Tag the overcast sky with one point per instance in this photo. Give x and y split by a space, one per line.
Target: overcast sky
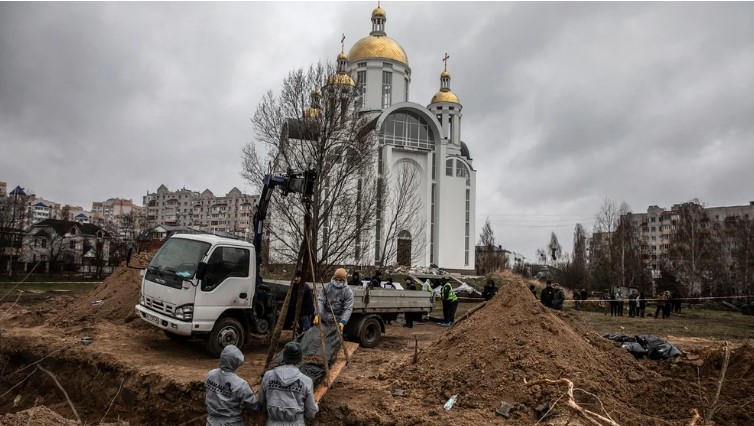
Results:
564 104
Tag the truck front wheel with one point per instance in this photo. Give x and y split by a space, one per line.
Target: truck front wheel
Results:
227 331
371 333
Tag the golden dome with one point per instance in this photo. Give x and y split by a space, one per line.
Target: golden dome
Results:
374 46
342 55
445 97
341 79
378 12
445 74
313 112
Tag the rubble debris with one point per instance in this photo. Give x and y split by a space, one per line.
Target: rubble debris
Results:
504 410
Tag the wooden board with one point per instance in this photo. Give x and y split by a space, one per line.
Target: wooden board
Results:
335 369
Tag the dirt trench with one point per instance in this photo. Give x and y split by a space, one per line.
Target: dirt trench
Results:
99 390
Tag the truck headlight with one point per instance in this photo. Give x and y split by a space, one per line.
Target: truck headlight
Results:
142 300
184 312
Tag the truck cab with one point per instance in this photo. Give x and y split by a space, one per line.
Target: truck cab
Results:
205 286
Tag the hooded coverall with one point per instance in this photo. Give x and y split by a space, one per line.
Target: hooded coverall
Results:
228 394
288 395
340 297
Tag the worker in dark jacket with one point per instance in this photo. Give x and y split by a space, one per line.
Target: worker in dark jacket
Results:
355 280
547 294
307 304
449 303
489 290
558 298
411 316
227 394
376 280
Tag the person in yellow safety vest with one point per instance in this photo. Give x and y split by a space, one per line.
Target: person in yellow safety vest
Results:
427 286
449 303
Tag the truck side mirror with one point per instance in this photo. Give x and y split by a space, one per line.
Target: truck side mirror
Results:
201 270
128 256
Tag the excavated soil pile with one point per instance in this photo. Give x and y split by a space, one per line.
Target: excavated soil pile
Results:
42 416
486 357
113 300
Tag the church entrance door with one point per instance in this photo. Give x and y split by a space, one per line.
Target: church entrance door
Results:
404 248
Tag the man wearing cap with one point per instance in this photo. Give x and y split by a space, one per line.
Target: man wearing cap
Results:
226 393
286 393
339 296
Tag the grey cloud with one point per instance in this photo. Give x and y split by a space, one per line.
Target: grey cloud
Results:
564 103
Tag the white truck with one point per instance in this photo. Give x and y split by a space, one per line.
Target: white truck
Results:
209 287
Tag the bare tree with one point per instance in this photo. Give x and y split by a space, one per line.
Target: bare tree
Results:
489 257
606 251
13 217
402 217
741 248
579 260
302 127
693 248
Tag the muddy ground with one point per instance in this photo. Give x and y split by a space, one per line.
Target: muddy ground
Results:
131 372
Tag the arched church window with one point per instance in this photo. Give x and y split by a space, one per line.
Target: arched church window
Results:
463 171
387 89
407 129
361 84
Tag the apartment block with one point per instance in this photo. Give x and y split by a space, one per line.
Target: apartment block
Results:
3 189
656 227
112 208
232 213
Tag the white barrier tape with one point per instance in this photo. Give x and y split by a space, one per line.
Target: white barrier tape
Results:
655 300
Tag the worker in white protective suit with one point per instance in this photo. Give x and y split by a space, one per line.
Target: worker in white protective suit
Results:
335 295
286 393
227 394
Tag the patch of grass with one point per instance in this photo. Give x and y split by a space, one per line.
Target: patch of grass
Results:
698 323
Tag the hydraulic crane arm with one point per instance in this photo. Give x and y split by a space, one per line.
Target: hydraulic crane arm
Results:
300 182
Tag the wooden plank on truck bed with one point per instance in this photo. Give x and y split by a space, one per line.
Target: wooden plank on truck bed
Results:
335 369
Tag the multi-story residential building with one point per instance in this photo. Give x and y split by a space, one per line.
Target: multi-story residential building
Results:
230 214
112 208
41 209
3 189
655 228
67 245
170 207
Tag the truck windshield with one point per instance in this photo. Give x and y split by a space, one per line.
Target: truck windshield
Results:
180 257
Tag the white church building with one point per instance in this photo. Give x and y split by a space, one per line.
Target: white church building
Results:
427 137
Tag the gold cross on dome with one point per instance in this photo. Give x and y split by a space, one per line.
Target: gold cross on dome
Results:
445 59
342 43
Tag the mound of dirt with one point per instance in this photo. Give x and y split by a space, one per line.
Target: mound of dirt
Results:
42 416
113 300
487 357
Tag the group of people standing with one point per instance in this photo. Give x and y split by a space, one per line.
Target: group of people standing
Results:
285 392
553 296
335 298
637 304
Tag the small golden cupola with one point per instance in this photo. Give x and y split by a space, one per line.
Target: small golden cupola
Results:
445 94
377 44
341 75
315 111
